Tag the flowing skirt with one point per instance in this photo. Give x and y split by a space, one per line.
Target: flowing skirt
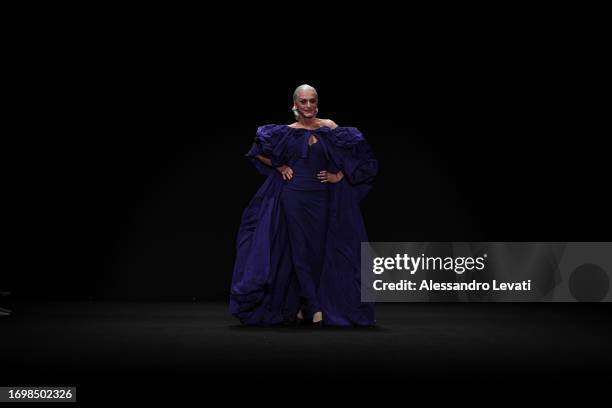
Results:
300 250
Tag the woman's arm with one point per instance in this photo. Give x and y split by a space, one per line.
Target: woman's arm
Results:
264 160
285 171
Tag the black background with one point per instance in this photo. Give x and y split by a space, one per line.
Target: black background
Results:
126 181
132 181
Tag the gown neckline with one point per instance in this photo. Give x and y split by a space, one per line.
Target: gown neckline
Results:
312 130
312 144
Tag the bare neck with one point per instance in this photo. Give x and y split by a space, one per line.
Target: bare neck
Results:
307 123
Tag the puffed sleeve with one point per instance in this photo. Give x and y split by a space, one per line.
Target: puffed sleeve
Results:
353 155
270 141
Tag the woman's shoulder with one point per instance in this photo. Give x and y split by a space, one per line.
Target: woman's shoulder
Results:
328 123
345 136
343 132
272 130
322 123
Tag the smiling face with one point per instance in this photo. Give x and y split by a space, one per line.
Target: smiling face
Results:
306 103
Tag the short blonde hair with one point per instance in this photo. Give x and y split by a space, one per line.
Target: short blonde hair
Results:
304 87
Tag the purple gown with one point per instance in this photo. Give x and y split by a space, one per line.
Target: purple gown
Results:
298 246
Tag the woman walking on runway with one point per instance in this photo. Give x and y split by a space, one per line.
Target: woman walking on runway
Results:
298 246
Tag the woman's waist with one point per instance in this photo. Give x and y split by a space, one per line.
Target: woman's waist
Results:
312 165
310 182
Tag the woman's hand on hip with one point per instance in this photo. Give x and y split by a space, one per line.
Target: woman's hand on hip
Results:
327 177
286 172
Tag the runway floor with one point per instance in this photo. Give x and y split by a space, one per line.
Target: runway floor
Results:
131 349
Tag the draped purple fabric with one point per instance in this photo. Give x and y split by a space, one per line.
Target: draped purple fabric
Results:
266 287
